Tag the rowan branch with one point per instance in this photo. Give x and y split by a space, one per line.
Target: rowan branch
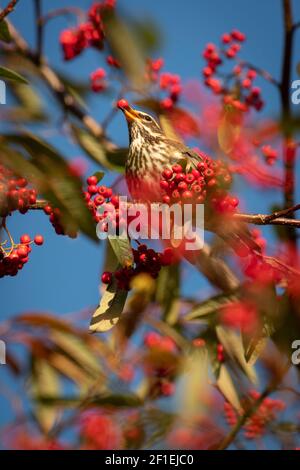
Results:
262 219
7 10
67 101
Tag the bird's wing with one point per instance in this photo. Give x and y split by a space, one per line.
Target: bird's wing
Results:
187 153
231 233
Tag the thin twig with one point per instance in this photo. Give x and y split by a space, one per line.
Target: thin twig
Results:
263 73
62 11
283 212
262 219
10 7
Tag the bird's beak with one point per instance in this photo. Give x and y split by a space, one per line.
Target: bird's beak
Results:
130 113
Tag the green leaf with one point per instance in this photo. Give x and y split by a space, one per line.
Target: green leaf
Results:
4 32
29 104
9 74
122 250
96 150
147 35
110 309
233 345
116 400
209 307
99 175
117 158
125 48
228 130
44 380
167 292
78 351
195 382
227 388
266 302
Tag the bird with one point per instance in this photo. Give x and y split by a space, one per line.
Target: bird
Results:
151 151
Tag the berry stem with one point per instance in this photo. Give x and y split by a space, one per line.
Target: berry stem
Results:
6 11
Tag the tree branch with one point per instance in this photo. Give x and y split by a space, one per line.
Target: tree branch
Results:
67 101
39 29
262 219
10 7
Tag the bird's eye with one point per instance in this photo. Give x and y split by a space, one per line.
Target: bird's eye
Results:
147 118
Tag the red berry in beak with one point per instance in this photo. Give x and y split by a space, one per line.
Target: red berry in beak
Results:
122 104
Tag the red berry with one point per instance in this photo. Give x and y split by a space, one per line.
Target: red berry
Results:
182 185
38 239
226 38
167 174
22 251
187 195
48 209
106 277
167 388
92 180
177 168
164 184
24 239
122 104
166 199
92 189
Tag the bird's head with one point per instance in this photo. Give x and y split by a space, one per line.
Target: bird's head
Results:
140 124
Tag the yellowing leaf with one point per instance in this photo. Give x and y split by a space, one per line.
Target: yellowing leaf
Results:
110 309
227 387
44 380
122 250
228 132
233 345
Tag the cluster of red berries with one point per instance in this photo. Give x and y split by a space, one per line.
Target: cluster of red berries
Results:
98 82
14 193
207 183
162 375
88 34
99 195
55 218
146 260
167 82
99 431
157 341
248 95
258 239
261 271
220 353
12 259
270 154
266 412
241 315
255 426
231 416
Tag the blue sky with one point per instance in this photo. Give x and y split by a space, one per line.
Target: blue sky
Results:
63 275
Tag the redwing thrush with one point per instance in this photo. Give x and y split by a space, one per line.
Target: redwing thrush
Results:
150 152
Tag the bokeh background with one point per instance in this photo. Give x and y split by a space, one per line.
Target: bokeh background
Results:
63 276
